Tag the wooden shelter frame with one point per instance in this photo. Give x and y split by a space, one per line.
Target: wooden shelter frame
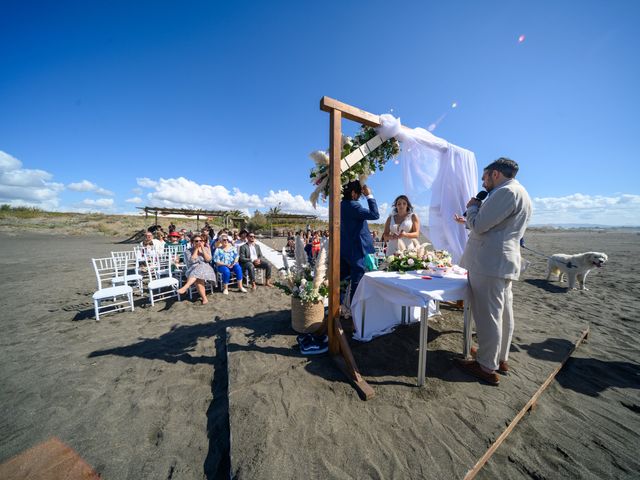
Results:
225 215
338 344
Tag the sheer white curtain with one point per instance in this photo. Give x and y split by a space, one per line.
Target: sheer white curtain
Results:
438 174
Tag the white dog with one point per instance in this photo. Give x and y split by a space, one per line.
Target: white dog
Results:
575 267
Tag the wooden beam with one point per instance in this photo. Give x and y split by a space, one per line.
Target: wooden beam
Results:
328 104
335 195
529 406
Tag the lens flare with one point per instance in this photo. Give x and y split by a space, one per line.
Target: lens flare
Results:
521 38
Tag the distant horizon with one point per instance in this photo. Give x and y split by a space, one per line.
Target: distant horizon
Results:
376 223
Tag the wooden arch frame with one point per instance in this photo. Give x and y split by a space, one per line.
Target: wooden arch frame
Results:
338 344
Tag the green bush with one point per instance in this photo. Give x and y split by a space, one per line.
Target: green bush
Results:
21 212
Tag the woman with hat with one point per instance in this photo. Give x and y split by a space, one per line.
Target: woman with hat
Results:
174 240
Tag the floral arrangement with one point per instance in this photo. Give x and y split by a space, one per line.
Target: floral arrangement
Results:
373 162
302 281
418 259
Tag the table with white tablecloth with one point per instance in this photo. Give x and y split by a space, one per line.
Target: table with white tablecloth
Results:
384 300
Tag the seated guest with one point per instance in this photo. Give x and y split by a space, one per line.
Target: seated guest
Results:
184 240
173 240
173 243
161 237
251 258
222 232
197 258
242 239
150 244
226 260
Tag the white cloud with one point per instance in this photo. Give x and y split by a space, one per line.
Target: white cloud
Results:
87 186
293 203
146 183
137 191
99 203
618 210
134 200
83 186
184 193
26 187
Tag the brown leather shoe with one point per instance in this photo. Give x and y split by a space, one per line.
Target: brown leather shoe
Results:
473 368
503 367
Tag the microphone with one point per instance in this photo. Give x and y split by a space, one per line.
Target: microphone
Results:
481 195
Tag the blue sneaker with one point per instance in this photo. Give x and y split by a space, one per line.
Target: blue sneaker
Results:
315 345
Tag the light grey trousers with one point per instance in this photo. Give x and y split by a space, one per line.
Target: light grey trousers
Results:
492 307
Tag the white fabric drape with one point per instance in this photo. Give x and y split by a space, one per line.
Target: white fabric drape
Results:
438 174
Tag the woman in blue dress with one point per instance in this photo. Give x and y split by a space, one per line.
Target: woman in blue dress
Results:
226 260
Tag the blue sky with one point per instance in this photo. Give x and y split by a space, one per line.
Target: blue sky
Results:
105 106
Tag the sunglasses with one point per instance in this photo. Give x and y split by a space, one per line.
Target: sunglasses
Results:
197 241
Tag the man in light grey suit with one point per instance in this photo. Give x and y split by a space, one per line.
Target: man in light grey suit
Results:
492 259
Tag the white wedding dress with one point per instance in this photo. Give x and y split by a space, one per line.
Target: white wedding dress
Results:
400 244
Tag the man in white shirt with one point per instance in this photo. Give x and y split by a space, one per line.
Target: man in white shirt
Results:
151 243
242 239
251 258
492 259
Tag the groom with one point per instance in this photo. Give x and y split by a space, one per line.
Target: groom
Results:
355 237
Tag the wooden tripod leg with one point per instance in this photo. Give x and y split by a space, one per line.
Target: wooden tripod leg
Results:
345 361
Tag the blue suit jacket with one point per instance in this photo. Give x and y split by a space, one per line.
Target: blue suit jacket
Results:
355 237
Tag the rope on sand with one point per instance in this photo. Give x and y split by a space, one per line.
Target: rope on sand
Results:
530 405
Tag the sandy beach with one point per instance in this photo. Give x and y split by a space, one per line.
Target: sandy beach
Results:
144 394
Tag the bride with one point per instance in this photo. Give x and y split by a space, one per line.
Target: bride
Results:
402 227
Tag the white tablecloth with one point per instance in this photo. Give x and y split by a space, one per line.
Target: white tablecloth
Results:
377 304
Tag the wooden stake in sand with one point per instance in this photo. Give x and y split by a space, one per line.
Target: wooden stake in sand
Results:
529 406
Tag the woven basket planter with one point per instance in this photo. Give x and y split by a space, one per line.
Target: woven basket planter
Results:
306 317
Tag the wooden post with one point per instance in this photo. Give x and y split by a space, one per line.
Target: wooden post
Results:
156 217
338 344
197 222
335 150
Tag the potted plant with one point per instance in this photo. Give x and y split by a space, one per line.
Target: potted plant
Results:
308 288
